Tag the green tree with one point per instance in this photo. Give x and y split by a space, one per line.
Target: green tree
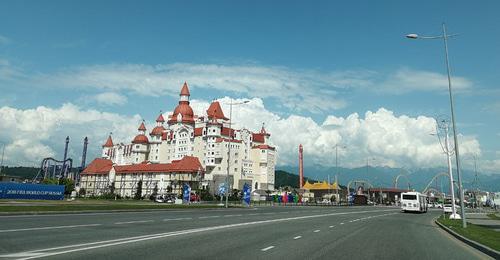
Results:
69 185
138 191
154 192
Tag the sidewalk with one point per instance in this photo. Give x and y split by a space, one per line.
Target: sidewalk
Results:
481 219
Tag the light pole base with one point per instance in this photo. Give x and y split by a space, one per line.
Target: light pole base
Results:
455 216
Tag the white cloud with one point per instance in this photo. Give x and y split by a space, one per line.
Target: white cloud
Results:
110 98
407 80
33 134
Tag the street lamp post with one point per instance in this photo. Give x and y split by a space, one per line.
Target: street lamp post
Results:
445 37
337 170
229 147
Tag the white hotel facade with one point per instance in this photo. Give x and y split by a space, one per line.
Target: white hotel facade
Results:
186 148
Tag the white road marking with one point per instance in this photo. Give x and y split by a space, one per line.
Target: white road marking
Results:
236 215
297 237
173 219
114 242
342 223
209 217
254 214
267 248
331 226
132 222
44 228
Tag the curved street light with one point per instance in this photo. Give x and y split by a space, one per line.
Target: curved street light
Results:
445 37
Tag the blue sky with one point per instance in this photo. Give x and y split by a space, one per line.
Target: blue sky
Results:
327 58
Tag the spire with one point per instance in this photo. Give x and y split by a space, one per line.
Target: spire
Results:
215 111
109 142
142 127
263 130
185 90
160 118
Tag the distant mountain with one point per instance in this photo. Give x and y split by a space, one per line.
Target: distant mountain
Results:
284 178
385 176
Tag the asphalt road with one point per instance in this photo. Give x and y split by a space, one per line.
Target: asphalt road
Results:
253 233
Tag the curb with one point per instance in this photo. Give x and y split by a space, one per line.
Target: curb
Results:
487 250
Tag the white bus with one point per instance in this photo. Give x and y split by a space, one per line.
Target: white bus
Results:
413 201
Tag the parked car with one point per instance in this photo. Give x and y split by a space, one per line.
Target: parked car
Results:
447 208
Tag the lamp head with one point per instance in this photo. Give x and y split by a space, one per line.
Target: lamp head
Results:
412 36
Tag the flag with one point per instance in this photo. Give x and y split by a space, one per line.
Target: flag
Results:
186 192
246 193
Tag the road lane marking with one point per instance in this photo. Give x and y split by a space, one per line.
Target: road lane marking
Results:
45 228
209 217
342 223
234 215
132 222
115 242
297 237
316 231
174 219
267 248
331 226
254 214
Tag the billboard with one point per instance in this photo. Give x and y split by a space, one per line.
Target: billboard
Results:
28 191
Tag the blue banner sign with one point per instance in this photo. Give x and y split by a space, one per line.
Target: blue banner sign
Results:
186 192
27 191
247 193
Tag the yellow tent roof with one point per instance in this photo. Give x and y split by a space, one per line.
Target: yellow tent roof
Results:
319 186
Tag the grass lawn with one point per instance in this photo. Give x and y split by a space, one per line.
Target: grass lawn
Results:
90 205
493 216
485 236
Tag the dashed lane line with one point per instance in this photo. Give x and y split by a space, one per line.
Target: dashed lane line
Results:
297 237
132 222
267 248
316 231
174 219
209 217
332 226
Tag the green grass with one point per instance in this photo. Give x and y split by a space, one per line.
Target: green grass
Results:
493 216
89 205
485 236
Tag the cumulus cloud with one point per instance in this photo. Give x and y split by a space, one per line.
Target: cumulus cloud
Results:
394 140
110 98
33 134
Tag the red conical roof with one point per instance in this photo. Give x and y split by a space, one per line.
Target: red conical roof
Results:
109 142
157 130
142 127
215 111
160 118
185 90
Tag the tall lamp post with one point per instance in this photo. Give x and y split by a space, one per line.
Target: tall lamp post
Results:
445 37
229 147
337 169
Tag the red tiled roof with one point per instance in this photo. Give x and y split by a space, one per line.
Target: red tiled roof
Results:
157 130
185 110
198 131
164 136
98 166
185 89
258 138
160 119
219 140
142 127
214 111
141 139
188 164
109 142
225 131
264 146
